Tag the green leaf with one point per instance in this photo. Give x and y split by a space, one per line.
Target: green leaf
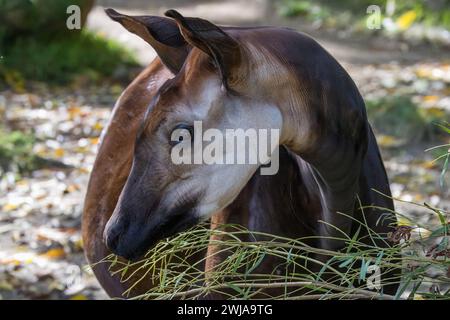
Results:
256 264
444 171
237 289
354 240
324 267
364 267
379 257
446 128
346 262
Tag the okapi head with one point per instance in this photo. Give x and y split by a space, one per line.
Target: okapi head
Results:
228 78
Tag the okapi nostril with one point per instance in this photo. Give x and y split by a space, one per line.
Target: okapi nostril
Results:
111 242
112 237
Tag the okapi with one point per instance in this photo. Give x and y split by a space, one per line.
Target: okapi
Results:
226 77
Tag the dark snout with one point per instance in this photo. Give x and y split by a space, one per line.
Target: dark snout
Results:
132 239
143 216
114 231
131 230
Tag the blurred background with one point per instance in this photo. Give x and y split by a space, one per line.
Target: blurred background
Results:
58 87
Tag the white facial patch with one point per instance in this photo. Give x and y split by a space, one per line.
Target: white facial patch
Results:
216 185
221 183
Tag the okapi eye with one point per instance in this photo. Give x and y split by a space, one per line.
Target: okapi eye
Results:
212 64
180 133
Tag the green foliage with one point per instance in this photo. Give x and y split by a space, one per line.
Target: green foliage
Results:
35 44
304 9
428 12
445 156
58 60
400 117
396 116
31 17
343 274
16 149
443 153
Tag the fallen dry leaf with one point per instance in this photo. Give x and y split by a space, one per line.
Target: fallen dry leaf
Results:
406 19
79 297
56 253
59 152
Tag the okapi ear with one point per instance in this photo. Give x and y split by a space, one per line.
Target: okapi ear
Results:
161 33
213 41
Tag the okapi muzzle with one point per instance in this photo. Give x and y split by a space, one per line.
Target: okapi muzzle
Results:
150 207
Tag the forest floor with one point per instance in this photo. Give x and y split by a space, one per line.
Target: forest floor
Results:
41 253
